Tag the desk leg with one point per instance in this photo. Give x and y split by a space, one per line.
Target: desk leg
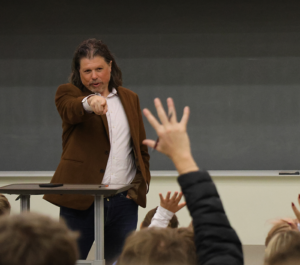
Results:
99 230
25 202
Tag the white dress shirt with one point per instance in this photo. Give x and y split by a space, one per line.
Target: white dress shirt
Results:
120 168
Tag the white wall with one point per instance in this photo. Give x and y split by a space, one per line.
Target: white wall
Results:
250 202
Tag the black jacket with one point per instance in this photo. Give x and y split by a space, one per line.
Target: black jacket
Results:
216 241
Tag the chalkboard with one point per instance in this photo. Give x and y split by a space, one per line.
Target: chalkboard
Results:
235 63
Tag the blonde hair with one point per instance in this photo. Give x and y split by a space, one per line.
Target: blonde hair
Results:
281 225
33 239
278 242
283 247
4 205
159 246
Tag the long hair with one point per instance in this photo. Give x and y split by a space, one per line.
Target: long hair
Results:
89 49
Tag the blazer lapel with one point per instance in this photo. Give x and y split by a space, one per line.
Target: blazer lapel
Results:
104 120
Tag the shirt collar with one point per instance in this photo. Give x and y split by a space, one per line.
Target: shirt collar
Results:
113 93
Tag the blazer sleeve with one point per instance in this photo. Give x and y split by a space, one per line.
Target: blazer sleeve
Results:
68 100
216 241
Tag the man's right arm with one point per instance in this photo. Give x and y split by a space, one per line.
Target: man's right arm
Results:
68 100
95 103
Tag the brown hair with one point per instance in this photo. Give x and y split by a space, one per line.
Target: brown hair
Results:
159 246
4 205
280 226
284 248
33 239
89 49
147 220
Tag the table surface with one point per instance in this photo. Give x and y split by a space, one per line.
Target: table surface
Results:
167 173
91 189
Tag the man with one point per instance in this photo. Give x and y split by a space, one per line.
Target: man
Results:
33 239
216 241
103 132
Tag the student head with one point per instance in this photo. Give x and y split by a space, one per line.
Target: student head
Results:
4 205
147 220
33 239
159 246
279 226
283 249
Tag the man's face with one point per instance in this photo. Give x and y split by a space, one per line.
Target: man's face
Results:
95 74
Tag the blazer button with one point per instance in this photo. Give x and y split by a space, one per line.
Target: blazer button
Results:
102 170
106 152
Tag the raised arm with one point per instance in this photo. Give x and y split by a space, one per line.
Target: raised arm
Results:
168 207
216 241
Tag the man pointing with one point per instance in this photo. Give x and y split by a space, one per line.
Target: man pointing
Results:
102 138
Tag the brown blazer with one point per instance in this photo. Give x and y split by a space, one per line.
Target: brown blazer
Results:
86 146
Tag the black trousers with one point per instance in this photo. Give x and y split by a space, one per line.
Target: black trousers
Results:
120 214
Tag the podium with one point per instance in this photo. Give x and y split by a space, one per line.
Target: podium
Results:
99 191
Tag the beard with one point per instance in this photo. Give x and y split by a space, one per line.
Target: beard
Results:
100 88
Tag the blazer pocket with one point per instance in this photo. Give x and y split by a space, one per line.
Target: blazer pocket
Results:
73 160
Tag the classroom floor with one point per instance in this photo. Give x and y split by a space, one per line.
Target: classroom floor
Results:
253 254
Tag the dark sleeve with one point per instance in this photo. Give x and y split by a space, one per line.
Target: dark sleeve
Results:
216 241
68 100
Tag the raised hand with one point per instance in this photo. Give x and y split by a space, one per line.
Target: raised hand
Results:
173 138
172 204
